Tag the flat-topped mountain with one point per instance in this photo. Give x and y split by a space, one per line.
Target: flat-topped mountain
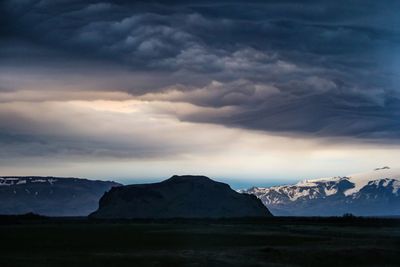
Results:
179 197
51 196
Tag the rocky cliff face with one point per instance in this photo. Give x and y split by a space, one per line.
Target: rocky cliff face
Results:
179 197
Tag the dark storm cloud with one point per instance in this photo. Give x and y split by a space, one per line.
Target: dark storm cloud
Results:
333 65
326 115
26 145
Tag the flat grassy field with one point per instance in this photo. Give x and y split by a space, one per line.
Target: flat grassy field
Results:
250 242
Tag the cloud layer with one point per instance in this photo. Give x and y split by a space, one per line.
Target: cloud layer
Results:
304 69
332 66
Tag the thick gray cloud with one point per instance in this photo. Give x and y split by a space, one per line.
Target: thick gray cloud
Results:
318 68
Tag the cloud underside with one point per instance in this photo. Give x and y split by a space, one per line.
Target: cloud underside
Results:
299 69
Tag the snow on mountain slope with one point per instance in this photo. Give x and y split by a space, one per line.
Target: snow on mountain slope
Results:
52 196
368 193
359 180
10 181
362 179
311 189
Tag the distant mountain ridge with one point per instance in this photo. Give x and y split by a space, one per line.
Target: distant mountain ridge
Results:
51 196
185 196
375 193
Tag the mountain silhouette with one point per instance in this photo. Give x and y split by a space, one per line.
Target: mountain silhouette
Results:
179 197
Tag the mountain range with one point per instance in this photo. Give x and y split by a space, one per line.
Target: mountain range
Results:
374 193
51 196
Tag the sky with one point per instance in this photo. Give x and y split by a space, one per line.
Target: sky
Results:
248 92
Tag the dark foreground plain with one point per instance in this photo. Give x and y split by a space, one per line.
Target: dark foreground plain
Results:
34 241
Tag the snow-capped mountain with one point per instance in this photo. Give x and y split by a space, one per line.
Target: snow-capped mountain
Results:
52 196
372 193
